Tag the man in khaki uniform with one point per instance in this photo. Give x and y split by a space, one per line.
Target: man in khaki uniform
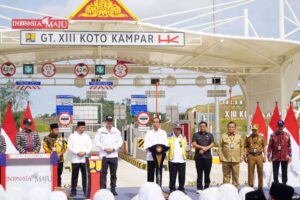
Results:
255 150
231 153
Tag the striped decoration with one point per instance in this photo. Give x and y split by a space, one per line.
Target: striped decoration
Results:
101 87
28 87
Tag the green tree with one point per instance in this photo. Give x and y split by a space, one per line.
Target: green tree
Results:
18 98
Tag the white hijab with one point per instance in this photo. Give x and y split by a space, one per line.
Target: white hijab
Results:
244 191
58 195
178 195
14 193
38 194
228 191
2 193
210 194
104 194
149 191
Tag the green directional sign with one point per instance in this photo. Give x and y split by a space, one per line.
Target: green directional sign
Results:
28 69
99 69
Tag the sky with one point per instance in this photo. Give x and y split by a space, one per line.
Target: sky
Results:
263 14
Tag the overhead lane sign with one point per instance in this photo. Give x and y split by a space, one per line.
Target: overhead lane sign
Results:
37 37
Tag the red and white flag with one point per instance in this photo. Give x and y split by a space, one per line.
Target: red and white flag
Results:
9 131
273 122
28 115
291 126
259 120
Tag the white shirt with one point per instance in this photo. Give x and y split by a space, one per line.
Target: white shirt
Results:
178 157
108 139
79 143
152 138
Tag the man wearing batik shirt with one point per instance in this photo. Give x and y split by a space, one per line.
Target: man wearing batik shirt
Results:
28 141
54 142
280 152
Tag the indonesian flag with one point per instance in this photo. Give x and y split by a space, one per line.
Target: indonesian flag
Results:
273 122
291 126
9 131
258 119
27 115
271 129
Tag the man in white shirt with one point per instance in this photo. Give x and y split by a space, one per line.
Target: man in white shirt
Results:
177 157
153 137
109 141
80 145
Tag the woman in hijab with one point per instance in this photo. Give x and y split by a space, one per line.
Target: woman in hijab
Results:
178 195
244 191
210 194
149 191
58 195
104 194
228 191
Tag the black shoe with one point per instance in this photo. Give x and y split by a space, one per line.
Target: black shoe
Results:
205 187
113 191
73 194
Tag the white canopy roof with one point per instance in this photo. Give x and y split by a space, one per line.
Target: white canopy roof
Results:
203 52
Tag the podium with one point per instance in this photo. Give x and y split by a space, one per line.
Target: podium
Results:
158 152
27 171
93 166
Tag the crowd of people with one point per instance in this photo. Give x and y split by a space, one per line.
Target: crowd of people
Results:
233 150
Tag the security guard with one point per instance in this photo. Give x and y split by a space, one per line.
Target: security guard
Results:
177 157
231 153
54 142
28 141
255 150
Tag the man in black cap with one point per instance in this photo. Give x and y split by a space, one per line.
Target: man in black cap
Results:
256 195
28 141
109 141
55 143
280 152
80 145
280 191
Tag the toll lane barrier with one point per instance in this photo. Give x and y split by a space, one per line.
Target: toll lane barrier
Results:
139 164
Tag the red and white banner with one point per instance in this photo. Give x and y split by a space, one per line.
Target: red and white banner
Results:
291 126
44 23
9 131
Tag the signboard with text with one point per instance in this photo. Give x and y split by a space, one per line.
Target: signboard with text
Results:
102 38
44 23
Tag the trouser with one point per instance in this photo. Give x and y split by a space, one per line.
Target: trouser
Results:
284 166
112 163
231 169
252 162
150 171
203 166
60 168
174 169
75 172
